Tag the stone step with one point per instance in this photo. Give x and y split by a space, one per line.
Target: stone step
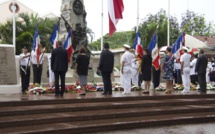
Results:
112 124
47 100
57 108
64 117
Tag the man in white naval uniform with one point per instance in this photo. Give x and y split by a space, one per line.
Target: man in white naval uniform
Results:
185 70
126 73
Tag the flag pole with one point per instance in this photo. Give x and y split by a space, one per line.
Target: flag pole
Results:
137 15
168 23
14 27
102 27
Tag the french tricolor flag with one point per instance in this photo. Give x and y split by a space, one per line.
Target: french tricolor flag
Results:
153 47
68 45
54 36
36 44
137 45
115 9
177 47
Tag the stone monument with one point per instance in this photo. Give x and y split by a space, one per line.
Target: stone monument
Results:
74 20
9 73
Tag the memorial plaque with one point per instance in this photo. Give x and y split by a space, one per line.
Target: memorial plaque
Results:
8 74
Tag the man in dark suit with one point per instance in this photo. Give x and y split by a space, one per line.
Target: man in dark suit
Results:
201 67
59 65
106 67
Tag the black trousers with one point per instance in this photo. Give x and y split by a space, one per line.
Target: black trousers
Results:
62 75
202 82
140 80
106 76
37 71
194 79
25 77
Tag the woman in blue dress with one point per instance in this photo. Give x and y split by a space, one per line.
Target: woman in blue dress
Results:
168 69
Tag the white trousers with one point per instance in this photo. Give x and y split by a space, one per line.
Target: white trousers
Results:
125 79
51 77
135 76
186 78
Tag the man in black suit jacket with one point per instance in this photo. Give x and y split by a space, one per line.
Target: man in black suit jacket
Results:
201 67
106 65
59 65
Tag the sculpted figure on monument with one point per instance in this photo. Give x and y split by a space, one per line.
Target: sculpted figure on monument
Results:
78 7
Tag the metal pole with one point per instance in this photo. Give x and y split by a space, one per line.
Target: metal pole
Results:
137 15
14 26
102 27
168 32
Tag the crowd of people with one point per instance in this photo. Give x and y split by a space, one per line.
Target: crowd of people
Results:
134 69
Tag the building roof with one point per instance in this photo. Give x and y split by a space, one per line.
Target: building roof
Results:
210 40
7 14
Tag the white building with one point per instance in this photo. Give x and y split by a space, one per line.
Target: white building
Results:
5 12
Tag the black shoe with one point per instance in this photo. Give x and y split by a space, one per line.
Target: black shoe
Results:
110 93
104 93
61 95
56 95
82 94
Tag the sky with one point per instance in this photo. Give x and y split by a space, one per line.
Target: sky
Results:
94 8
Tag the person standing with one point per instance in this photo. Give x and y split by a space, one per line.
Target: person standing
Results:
81 66
125 75
51 73
146 70
168 69
59 65
177 72
135 71
201 67
25 69
106 65
185 70
37 66
193 74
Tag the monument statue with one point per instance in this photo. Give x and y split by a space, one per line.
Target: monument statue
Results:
73 20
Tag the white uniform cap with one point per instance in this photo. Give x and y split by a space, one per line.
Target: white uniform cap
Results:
126 46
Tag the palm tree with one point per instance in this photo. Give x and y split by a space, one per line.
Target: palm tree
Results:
25 30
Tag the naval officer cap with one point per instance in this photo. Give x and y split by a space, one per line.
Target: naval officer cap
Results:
126 46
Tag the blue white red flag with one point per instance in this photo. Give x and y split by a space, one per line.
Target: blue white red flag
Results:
177 47
68 45
153 47
36 44
54 36
137 45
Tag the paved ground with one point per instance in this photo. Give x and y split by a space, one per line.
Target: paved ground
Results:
25 97
179 129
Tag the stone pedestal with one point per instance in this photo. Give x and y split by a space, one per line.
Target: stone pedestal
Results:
9 71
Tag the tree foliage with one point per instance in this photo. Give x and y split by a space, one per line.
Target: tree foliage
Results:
158 23
116 40
194 24
25 30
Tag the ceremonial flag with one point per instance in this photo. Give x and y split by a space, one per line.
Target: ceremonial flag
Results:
36 45
137 45
153 47
177 47
54 36
115 9
68 45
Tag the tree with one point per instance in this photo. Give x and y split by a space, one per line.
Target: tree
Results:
25 30
116 40
194 24
158 23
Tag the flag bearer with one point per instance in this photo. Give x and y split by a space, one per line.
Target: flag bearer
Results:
25 69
